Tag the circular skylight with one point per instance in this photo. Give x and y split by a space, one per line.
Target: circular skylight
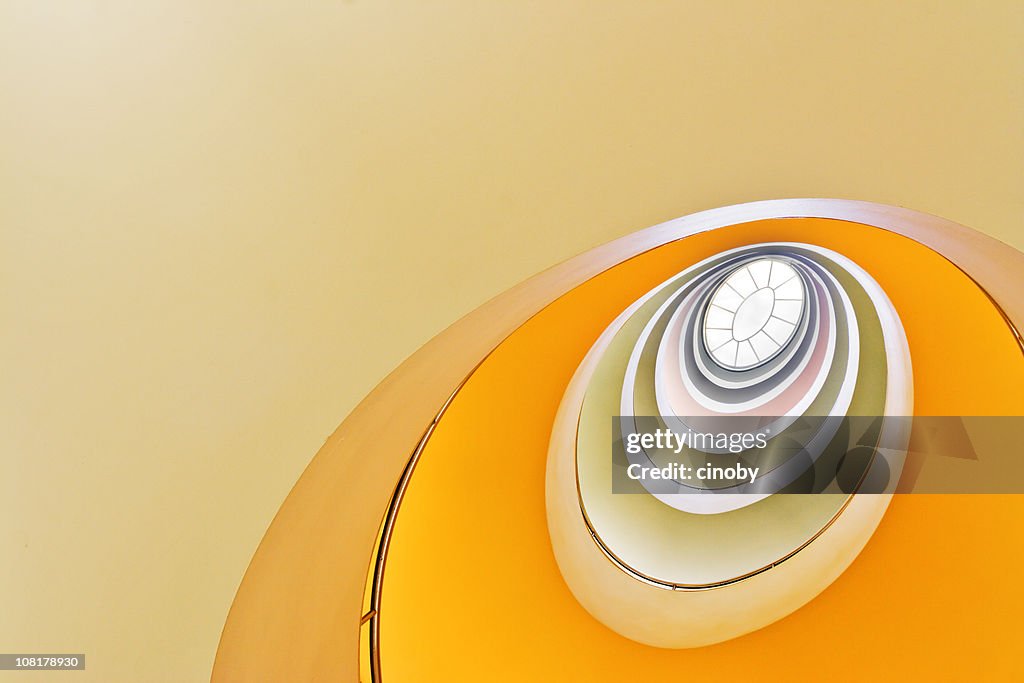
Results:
753 314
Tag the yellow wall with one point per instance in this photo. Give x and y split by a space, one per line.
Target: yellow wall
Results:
221 227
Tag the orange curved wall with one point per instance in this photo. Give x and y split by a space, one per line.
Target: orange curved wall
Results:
471 590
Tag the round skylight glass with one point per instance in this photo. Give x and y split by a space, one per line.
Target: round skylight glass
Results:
753 314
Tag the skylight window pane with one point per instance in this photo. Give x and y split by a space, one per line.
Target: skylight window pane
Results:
753 314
